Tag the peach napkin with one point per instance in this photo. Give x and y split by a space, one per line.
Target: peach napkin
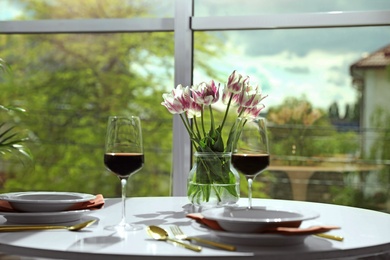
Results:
280 230
96 203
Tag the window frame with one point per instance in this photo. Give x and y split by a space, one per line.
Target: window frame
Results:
184 24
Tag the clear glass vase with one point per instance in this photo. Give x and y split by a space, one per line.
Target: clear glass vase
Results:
213 180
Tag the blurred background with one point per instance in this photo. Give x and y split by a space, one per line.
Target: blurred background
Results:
327 107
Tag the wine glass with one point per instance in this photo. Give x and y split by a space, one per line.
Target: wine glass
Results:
124 156
250 155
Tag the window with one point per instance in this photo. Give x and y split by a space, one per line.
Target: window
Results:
268 46
313 54
71 82
248 7
313 69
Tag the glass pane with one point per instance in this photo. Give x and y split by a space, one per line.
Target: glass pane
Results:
250 7
70 84
75 9
327 108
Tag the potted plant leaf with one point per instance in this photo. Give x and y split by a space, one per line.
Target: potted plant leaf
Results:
11 141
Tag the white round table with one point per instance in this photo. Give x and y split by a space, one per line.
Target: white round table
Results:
366 233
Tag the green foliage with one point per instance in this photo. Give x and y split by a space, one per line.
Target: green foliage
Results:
209 171
317 142
11 141
338 143
212 180
298 129
380 120
71 83
356 197
3 66
388 72
260 185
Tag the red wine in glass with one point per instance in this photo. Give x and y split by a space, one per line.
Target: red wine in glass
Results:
124 164
123 156
250 164
250 154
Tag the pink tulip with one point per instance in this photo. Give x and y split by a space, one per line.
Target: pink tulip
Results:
194 110
205 94
234 84
185 97
175 101
233 89
196 101
250 96
247 112
226 94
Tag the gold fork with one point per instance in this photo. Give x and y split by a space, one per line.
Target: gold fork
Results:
178 233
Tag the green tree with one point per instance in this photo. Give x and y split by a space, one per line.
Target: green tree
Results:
298 129
380 150
71 83
334 111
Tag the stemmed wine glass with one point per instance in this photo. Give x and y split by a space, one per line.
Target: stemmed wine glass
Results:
124 156
250 155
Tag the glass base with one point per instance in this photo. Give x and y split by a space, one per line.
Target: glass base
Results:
125 227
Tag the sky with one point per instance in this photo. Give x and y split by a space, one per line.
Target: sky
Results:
8 10
253 7
311 63
314 63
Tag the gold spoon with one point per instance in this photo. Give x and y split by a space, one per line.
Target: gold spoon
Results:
160 234
76 227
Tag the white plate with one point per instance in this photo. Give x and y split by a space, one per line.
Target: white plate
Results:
252 239
243 220
43 217
44 201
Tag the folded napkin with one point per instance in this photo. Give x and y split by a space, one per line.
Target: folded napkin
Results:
212 224
96 203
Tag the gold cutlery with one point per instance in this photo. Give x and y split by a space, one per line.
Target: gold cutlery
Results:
160 234
329 236
178 233
76 227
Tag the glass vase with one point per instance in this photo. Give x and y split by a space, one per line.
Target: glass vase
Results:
213 181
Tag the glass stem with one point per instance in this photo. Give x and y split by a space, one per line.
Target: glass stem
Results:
250 180
123 184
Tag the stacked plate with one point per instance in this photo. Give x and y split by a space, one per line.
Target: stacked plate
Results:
44 207
256 226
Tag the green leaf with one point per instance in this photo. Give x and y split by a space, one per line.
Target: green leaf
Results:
218 145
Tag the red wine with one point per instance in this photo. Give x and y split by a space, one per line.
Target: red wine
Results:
250 164
124 164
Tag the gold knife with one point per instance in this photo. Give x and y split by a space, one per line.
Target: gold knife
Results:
329 236
46 227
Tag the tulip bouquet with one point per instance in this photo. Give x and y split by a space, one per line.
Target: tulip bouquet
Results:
196 103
